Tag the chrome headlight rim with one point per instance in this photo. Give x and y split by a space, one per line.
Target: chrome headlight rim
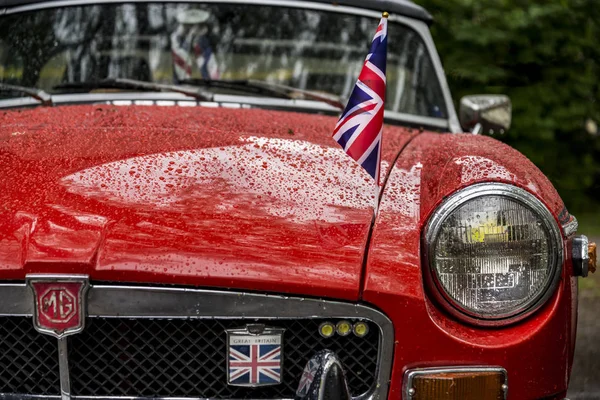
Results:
432 230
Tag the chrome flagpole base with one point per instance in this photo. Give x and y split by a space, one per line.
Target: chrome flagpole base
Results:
323 378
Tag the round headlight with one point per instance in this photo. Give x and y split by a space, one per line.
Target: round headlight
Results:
494 253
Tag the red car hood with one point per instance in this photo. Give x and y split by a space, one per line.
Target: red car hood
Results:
233 198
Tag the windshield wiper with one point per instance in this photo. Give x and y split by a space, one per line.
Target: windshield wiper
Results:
122 83
330 99
274 89
36 93
254 86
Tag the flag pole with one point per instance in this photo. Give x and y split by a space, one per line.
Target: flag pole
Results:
385 15
359 130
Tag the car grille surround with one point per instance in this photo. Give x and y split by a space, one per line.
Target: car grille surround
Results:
187 358
167 342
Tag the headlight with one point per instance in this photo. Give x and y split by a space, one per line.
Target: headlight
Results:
494 252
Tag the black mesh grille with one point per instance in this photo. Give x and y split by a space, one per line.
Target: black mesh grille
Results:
186 358
28 359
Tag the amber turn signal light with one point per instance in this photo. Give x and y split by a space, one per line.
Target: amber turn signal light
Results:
460 383
592 257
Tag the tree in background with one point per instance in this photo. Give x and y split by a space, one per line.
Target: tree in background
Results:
546 56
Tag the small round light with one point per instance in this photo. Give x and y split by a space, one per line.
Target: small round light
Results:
360 329
326 329
343 328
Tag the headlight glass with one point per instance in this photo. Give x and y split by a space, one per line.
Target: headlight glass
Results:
494 251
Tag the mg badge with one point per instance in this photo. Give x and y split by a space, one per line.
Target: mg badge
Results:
59 303
254 356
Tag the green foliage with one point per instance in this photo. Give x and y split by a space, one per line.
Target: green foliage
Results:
545 55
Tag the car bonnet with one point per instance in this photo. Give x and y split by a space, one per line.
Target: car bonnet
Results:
215 197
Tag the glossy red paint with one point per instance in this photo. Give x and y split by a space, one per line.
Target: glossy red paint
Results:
266 201
536 352
232 198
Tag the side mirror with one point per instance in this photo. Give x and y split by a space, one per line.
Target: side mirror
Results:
484 113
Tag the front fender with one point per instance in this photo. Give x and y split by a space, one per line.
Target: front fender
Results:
536 352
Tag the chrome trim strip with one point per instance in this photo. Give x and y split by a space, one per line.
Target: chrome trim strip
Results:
417 119
107 301
409 376
423 30
486 189
16 300
155 98
278 3
420 27
63 364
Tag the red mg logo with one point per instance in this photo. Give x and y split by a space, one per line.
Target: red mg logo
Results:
59 303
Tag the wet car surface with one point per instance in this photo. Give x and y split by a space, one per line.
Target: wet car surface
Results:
174 210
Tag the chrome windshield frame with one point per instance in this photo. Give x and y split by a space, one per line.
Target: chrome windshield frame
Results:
450 123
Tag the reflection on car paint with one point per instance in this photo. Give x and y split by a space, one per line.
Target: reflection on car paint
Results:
240 198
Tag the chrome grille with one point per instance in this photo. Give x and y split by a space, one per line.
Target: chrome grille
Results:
142 342
186 358
28 360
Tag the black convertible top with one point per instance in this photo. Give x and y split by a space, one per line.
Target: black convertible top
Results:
401 7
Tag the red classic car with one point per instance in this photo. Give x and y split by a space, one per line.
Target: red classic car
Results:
177 222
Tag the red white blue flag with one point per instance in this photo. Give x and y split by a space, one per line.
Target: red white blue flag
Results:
360 127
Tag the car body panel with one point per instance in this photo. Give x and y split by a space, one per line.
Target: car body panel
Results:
231 198
431 168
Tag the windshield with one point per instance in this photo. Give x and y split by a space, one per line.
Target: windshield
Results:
174 42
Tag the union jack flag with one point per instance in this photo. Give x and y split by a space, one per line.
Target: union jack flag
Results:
308 376
254 364
360 127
